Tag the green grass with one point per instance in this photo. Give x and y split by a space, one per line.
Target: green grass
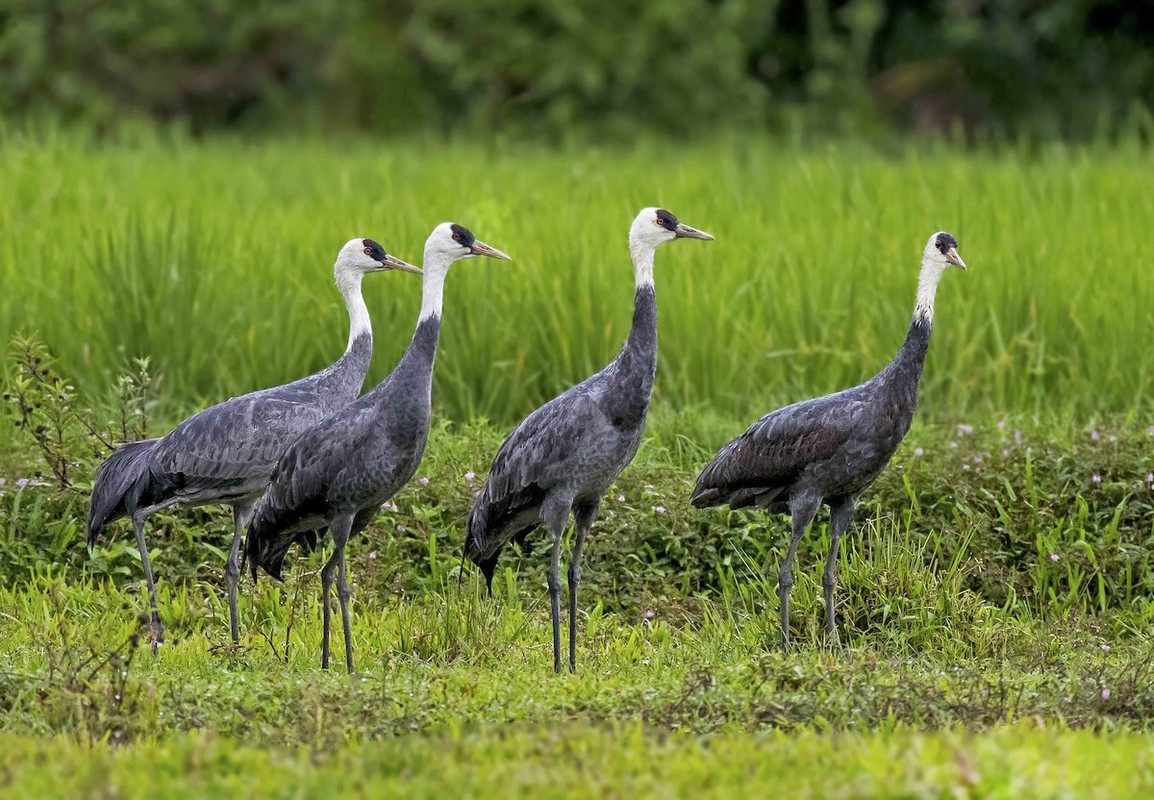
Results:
214 259
971 660
996 597
582 761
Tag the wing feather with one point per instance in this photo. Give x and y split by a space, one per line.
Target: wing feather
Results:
774 450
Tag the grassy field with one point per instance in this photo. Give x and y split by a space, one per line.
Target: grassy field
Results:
996 598
995 608
215 260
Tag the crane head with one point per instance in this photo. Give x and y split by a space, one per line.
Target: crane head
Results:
359 256
942 251
656 226
451 242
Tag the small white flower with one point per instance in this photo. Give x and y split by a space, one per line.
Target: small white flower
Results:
620 498
470 475
423 481
659 509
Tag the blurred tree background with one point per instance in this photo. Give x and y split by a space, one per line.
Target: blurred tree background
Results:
1004 70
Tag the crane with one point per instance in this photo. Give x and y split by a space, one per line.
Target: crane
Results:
562 457
340 471
226 453
830 449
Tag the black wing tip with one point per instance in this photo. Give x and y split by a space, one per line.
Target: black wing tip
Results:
704 495
704 499
474 536
95 527
489 569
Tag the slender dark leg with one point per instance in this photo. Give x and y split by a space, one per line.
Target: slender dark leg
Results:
240 516
802 510
327 574
840 515
340 532
156 627
556 514
582 521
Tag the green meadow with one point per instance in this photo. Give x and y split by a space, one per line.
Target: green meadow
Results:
995 599
214 260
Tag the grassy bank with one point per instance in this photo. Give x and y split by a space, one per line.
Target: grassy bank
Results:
999 572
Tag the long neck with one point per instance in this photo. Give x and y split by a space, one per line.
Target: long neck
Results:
415 369
912 355
359 322
643 334
636 365
345 378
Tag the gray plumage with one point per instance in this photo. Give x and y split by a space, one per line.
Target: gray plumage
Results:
339 472
562 458
226 453
831 448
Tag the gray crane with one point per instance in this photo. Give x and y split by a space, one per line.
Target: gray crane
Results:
226 453
562 457
340 471
828 450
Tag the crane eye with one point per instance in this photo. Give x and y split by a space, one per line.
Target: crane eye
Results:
368 251
456 237
661 221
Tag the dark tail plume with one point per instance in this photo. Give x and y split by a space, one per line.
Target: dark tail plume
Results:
118 486
265 548
475 548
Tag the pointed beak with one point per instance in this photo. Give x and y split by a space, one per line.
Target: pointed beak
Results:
683 231
481 249
955 259
392 262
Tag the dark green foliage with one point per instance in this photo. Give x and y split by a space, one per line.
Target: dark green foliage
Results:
551 66
1025 68
208 63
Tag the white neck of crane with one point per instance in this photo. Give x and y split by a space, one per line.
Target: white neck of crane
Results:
436 267
359 322
928 280
642 255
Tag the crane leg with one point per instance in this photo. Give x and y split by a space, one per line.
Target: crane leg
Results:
341 531
840 515
155 626
582 522
802 511
240 517
556 515
326 613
